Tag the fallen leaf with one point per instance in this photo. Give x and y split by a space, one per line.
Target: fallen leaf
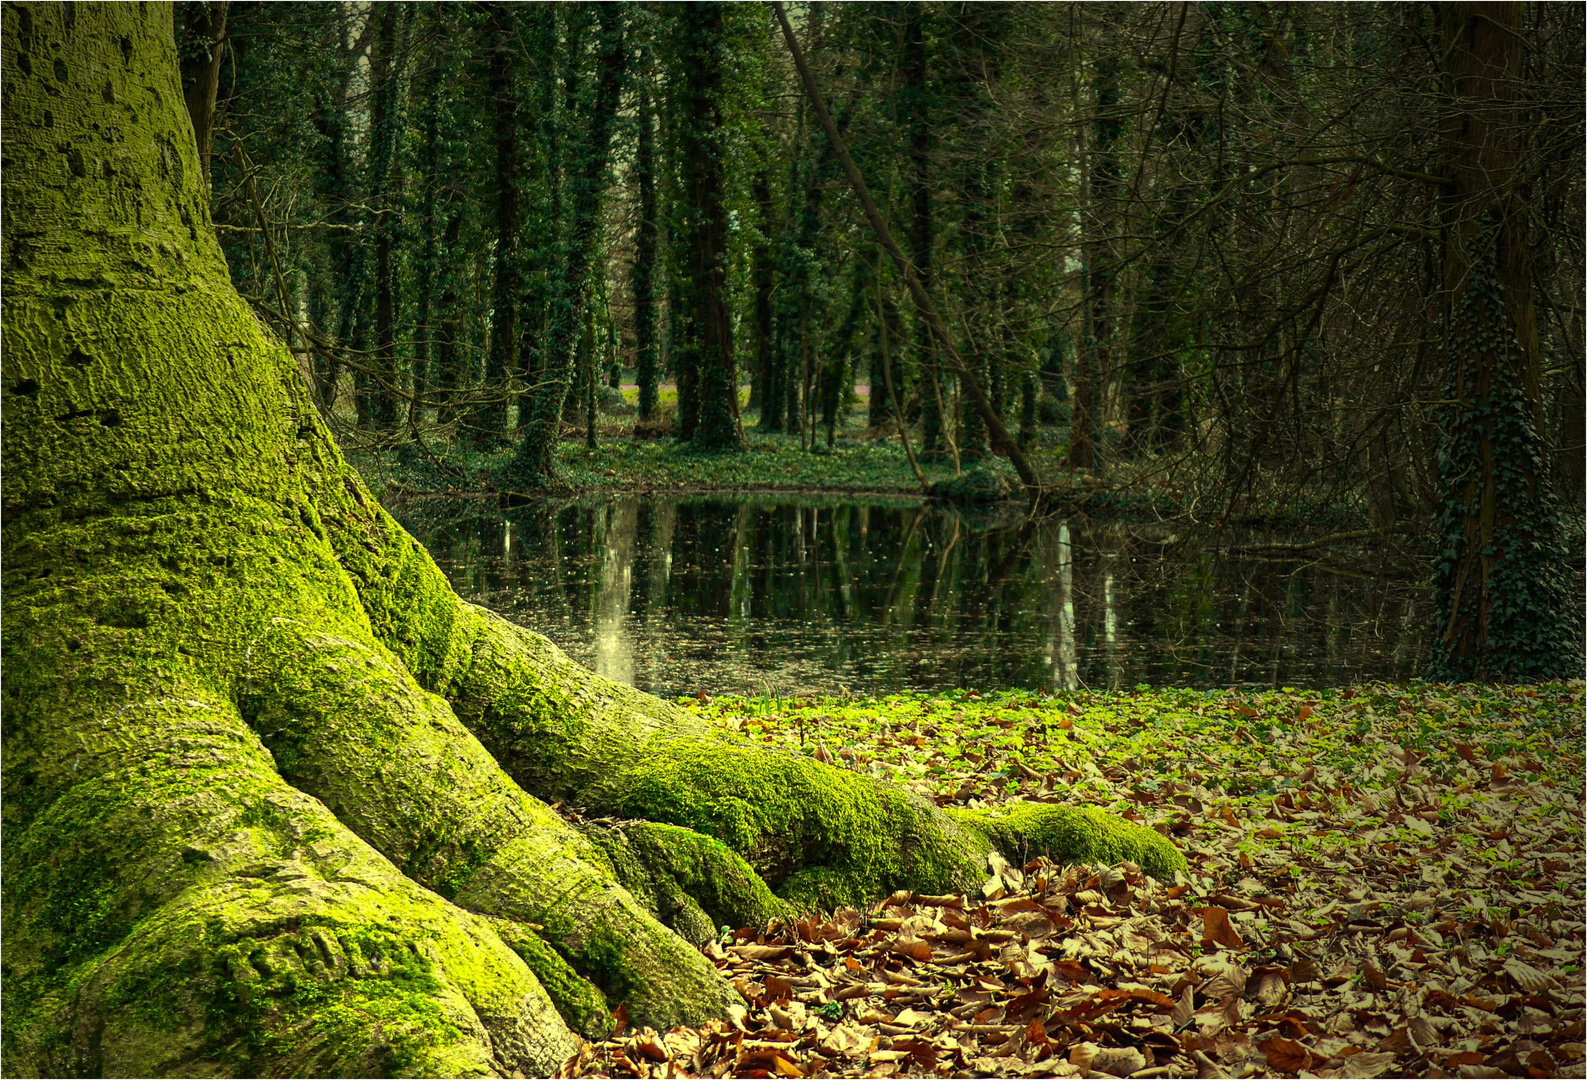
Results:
1216 928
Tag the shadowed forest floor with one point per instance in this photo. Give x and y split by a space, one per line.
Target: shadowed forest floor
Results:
1385 881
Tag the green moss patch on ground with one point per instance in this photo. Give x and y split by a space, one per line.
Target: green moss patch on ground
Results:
1382 881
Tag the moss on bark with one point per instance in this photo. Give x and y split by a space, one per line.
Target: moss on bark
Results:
1075 835
694 883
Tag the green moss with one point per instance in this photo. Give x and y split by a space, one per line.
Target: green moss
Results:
1075 835
693 883
988 480
784 813
329 998
606 957
580 1003
822 888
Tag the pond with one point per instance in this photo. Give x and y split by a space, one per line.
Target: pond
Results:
782 595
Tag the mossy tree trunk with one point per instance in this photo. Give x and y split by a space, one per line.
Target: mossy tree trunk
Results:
488 425
1501 587
272 792
704 153
584 176
647 370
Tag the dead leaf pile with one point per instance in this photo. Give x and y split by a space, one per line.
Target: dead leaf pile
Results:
1367 905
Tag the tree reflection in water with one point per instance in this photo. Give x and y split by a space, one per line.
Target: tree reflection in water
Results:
757 594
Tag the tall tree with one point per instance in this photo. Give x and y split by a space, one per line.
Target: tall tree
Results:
202 45
584 169
1503 603
1097 275
917 102
380 378
488 423
647 347
704 151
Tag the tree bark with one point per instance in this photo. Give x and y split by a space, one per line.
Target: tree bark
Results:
933 447
384 381
763 273
584 170
203 49
704 151
646 236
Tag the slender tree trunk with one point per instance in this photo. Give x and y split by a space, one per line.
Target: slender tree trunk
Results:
1102 176
647 369
330 119
534 463
917 102
763 273
703 156
429 229
488 422
591 381
203 48
447 374
540 178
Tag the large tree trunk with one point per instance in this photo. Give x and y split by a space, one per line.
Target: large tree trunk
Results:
1502 597
251 823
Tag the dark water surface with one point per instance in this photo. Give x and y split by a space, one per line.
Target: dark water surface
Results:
724 594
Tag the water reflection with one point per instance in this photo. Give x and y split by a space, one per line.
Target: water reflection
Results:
677 595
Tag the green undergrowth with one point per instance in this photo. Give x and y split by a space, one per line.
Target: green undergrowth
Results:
1159 755
857 463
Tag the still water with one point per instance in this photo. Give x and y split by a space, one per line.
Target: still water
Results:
678 595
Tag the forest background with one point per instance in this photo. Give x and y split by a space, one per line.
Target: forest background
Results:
1208 262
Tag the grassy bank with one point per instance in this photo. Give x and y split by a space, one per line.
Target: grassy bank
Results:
855 464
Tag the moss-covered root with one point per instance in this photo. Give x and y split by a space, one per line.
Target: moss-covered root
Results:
1072 835
694 883
348 724
179 910
579 1001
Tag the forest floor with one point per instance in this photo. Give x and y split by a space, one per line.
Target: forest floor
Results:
1384 881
